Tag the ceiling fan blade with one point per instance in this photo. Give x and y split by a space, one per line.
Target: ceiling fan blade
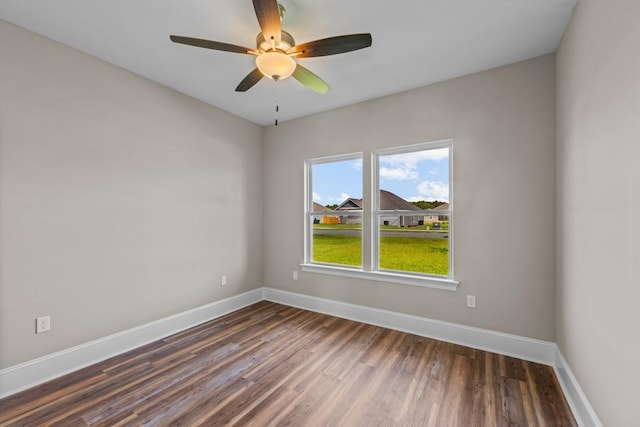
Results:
269 19
210 44
310 80
249 81
331 45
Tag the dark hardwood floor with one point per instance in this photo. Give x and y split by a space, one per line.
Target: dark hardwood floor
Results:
270 364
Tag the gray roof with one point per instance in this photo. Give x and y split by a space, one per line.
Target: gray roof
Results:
317 207
350 204
388 202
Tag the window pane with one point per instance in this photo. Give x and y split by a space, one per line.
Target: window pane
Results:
416 240
337 194
418 246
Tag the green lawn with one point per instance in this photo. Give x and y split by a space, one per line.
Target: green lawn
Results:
337 249
414 254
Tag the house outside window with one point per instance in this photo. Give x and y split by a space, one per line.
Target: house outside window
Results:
385 215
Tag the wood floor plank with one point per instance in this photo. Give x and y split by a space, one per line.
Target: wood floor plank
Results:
274 365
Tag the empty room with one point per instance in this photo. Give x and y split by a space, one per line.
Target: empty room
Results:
336 213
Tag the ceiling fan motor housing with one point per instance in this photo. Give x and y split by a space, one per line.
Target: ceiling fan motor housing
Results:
287 42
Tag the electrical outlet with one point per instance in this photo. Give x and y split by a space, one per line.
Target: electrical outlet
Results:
295 275
43 324
223 280
471 301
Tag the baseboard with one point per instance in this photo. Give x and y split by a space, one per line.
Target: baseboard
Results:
37 371
497 342
580 406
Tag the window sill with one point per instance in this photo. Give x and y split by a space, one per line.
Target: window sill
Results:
384 276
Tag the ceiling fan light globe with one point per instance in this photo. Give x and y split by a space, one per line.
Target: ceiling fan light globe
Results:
276 65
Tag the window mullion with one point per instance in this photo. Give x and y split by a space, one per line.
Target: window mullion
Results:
308 228
375 203
367 207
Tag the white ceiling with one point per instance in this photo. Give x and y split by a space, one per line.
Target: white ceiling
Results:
415 43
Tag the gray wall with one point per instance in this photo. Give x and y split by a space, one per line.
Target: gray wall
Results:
598 320
503 124
121 201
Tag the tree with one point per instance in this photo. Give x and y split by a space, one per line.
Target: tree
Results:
423 204
332 207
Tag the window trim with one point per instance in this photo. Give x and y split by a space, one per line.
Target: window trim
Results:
416 279
369 270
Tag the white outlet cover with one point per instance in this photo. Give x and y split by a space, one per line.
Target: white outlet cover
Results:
471 301
43 324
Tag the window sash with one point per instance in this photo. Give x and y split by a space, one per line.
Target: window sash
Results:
377 212
310 213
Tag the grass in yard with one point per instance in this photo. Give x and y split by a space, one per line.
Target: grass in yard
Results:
337 249
415 254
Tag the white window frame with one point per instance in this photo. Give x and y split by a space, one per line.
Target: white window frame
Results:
370 222
310 213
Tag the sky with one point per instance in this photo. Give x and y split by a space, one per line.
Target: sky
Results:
420 175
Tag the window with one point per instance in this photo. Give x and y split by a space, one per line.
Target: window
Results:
412 209
388 218
335 211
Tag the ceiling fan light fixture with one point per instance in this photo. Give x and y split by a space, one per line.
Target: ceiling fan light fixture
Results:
276 65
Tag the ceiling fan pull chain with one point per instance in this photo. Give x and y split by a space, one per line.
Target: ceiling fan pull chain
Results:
277 106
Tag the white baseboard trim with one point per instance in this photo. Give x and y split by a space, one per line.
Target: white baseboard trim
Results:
25 375
497 342
580 406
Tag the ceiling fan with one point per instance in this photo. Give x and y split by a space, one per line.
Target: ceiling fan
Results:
276 49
